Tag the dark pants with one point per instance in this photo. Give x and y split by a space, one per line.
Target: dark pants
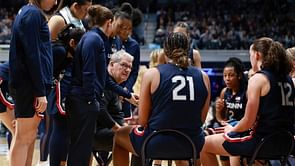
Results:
126 107
45 135
59 140
82 120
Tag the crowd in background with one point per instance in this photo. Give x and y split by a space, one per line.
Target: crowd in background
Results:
6 17
214 24
227 24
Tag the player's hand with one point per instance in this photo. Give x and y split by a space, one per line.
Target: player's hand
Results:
219 104
228 128
133 100
41 104
116 127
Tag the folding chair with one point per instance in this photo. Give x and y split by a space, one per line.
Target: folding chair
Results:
276 146
168 144
103 141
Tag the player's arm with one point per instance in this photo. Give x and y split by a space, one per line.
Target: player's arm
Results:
258 86
55 25
197 58
220 107
207 103
149 84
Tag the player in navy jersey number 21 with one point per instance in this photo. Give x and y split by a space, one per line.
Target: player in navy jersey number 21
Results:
173 96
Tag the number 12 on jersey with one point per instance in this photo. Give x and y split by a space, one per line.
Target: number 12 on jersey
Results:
286 91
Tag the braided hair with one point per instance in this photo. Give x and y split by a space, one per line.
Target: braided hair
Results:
176 48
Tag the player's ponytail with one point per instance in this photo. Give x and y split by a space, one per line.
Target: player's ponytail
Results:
176 48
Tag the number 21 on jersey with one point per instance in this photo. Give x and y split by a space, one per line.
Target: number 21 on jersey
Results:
183 81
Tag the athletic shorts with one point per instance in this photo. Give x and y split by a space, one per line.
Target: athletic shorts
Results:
232 122
24 101
137 137
243 143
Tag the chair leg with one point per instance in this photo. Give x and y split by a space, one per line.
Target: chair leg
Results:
252 161
110 158
285 161
98 158
190 162
242 161
149 162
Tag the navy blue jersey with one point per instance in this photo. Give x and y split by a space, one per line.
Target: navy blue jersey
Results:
235 103
178 101
59 62
89 66
30 56
107 45
60 59
276 109
132 47
114 45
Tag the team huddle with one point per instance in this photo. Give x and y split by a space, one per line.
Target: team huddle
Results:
77 68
